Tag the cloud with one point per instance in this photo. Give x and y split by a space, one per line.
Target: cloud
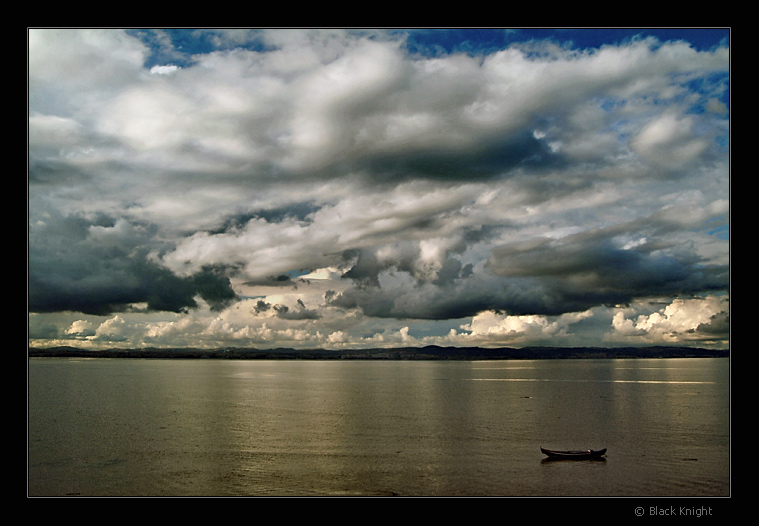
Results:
683 320
100 266
598 267
356 182
493 327
669 141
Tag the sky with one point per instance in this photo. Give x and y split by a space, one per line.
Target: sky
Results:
362 188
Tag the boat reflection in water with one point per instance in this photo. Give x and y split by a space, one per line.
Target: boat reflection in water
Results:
581 454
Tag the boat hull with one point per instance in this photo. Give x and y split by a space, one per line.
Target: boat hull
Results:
585 454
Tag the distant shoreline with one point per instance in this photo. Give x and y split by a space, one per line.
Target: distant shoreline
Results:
403 353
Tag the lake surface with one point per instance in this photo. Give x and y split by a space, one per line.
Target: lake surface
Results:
140 427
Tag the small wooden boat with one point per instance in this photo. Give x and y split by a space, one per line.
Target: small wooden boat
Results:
582 454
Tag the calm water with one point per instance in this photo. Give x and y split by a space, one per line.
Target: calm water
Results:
132 427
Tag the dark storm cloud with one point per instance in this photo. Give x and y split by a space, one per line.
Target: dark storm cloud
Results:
520 295
592 269
102 266
273 281
718 325
540 276
405 258
482 161
465 296
300 312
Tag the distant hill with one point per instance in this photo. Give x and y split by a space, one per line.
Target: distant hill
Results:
402 353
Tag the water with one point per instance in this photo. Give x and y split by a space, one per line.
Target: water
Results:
133 427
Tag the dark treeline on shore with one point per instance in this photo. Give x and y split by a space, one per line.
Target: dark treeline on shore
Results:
401 353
